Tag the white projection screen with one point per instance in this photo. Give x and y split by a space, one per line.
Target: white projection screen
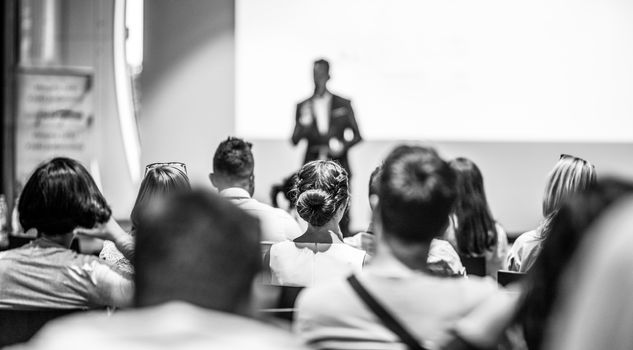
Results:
485 70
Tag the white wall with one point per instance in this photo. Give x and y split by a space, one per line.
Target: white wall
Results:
187 82
459 70
85 40
188 108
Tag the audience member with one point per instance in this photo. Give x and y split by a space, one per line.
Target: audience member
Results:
597 309
570 175
161 180
233 175
416 195
59 198
567 230
321 193
185 298
443 259
473 230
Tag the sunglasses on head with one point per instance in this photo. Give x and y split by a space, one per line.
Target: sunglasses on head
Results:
564 155
176 165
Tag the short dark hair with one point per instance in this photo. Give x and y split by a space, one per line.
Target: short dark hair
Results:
234 158
320 189
59 196
324 63
207 246
158 182
417 191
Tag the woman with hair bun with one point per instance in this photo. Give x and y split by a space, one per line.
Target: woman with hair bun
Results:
321 194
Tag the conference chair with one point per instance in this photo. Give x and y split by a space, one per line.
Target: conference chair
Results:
18 326
505 278
285 306
475 266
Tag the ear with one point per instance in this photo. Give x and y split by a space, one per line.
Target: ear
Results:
212 179
251 180
373 202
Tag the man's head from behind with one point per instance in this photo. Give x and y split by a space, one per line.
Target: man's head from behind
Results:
200 249
233 165
416 193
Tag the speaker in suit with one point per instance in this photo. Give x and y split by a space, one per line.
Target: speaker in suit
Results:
326 121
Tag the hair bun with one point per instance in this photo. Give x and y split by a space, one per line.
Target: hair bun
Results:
316 206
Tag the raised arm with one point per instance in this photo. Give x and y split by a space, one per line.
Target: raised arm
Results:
111 231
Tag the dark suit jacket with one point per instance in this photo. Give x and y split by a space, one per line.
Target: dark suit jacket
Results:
341 119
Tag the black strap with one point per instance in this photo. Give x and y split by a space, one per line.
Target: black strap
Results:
387 319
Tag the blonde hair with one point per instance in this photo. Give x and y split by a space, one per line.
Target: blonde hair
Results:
570 175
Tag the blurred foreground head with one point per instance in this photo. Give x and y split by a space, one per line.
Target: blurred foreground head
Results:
569 227
597 309
201 249
416 194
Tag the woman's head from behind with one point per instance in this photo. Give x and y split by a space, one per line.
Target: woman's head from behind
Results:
475 231
159 182
60 196
570 175
321 192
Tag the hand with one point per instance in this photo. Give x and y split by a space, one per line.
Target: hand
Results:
305 119
109 231
336 147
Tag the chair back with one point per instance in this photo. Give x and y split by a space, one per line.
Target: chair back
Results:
475 266
19 326
265 245
285 306
507 277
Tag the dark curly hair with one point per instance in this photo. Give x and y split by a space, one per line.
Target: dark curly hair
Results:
320 189
60 196
234 158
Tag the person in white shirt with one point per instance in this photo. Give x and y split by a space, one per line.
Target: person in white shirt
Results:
319 255
597 309
416 195
233 175
185 297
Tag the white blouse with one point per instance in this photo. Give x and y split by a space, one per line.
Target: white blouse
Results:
308 264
